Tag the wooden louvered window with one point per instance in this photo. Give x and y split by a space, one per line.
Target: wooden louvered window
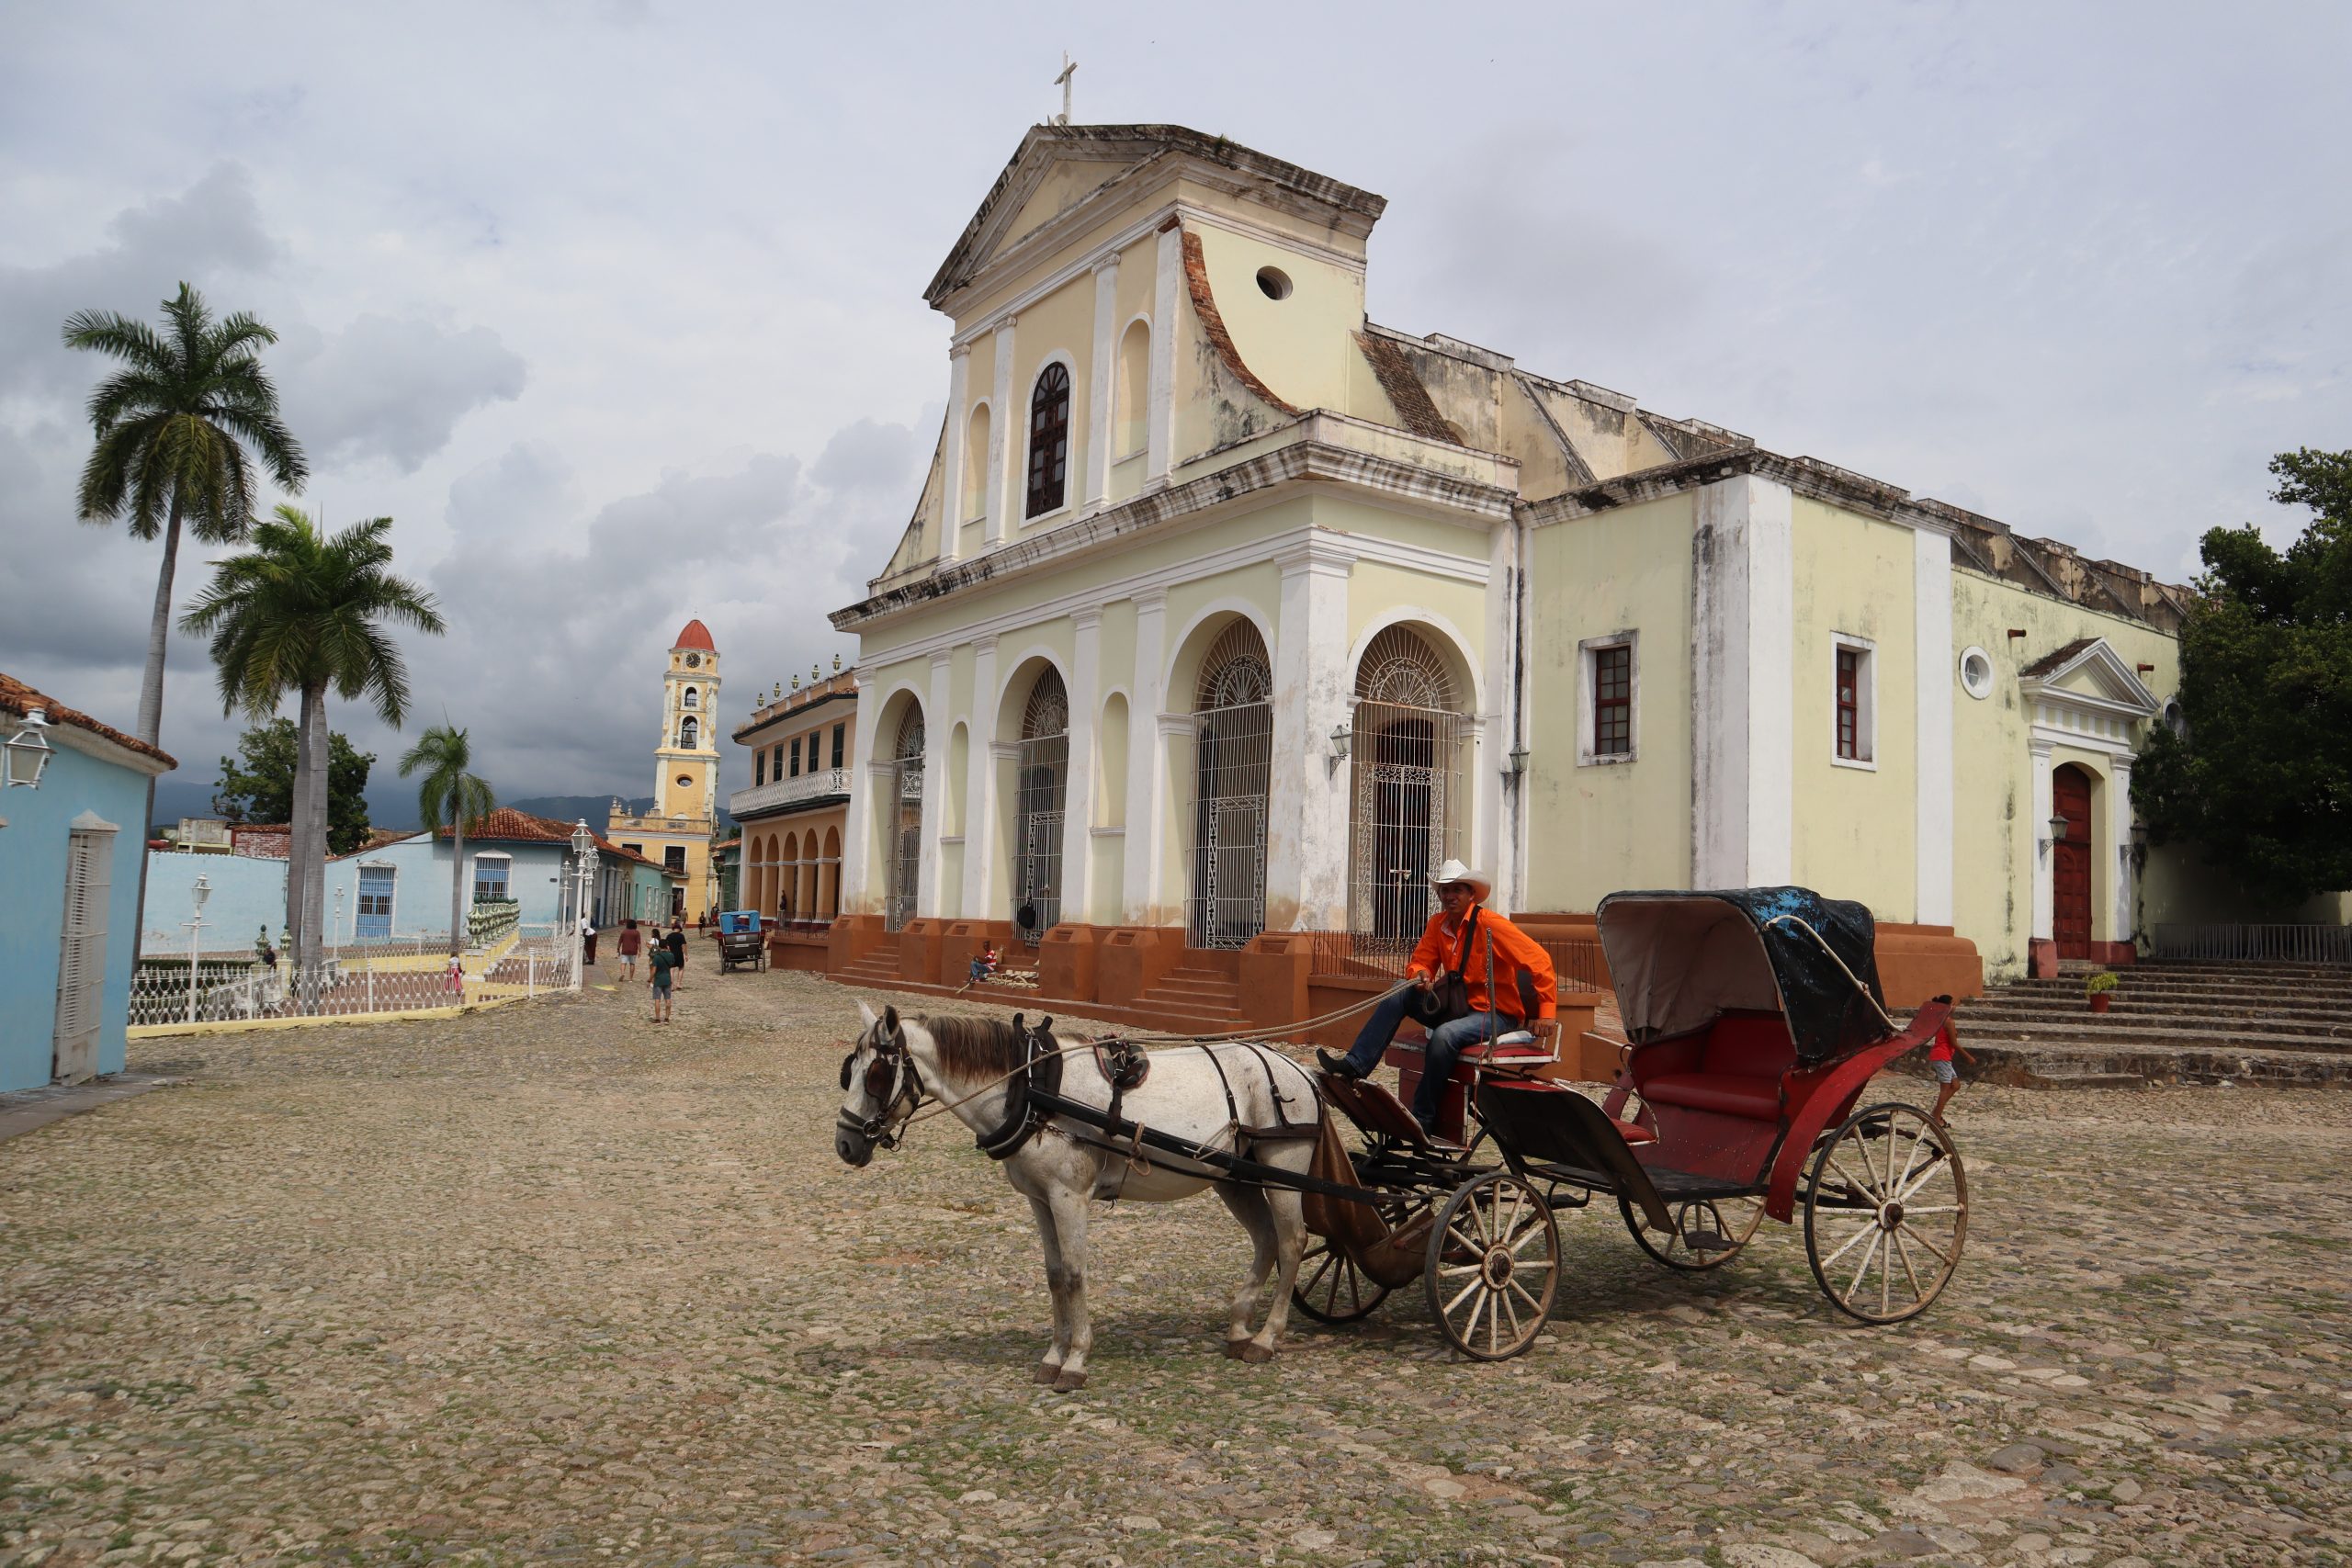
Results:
82 957
1048 442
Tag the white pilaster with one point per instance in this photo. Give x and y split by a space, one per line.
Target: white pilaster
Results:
1743 693
1007 427
1085 686
2119 817
1306 805
861 889
1168 283
931 899
1489 753
1932 714
959 419
980 836
2044 883
1099 385
1147 794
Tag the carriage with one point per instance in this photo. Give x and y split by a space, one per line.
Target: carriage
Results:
1754 1020
741 942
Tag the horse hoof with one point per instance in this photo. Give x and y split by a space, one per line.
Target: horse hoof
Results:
1066 1383
1251 1350
1045 1372
1233 1348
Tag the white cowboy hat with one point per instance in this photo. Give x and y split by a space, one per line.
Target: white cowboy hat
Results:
1455 870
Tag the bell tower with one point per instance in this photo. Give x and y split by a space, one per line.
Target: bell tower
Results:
686 761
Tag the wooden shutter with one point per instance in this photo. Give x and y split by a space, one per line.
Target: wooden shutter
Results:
82 957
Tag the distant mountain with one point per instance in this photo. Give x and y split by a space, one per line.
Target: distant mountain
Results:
596 809
393 804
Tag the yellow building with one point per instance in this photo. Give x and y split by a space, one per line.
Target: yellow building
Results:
1225 611
677 832
794 814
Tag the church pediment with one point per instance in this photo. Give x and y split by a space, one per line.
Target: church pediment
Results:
1057 168
2090 673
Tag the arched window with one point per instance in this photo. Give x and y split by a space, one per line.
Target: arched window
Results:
904 864
1048 441
1042 797
976 466
691 701
1407 730
1134 390
1232 768
689 733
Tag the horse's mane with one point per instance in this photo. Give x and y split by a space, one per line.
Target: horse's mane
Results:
973 1047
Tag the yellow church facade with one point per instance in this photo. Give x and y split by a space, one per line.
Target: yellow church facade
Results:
1225 613
676 834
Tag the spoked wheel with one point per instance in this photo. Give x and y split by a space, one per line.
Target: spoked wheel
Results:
1492 1266
1330 1288
1708 1231
1886 1214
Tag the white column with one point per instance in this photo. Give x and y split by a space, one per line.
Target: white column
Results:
861 888
1099 387
1307 807
959 419
979 790
1490 753
1931 717
2044 883
2119 817
1743 690
1167 285
930 889
1147 797
1078 801
1007 427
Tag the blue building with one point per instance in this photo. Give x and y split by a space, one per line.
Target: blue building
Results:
70 848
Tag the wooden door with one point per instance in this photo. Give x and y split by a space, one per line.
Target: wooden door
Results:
2070 798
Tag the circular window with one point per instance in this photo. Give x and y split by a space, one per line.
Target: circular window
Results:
1274 283
2176 718
1976 674
686 781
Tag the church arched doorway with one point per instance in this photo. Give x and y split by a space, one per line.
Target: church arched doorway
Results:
1040 799
1233 731
904 805
1406 734
2070 861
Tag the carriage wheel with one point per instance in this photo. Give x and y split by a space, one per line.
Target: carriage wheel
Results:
1886 1213
1708 1231
1330 1288
1492 1266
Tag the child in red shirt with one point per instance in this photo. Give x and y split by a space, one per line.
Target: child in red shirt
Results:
1940 1057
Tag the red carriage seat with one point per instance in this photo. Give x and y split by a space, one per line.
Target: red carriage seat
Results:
1735 1070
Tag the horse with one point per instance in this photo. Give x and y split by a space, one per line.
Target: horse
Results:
1245 1099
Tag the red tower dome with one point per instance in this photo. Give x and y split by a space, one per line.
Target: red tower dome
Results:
697 635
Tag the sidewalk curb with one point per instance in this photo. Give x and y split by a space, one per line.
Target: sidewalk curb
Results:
30 1110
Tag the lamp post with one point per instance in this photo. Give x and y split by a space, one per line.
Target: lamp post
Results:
338 922
28 750
200 893
583 844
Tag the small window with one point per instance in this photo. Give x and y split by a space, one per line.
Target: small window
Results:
1853 696
759 769
491 879
691 701
796 757
689 734
686 781
1609 679
1048 442
1976 674
673 857
1274 283
841 738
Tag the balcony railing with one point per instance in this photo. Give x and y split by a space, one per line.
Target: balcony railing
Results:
820 786
2257 943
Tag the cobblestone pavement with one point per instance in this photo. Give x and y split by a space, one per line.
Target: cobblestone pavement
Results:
552 1284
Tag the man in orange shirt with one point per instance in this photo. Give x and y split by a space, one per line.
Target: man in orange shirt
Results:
1463 938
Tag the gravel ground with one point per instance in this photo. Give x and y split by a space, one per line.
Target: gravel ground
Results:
552 1284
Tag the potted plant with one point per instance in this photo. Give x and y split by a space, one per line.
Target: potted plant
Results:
2100 989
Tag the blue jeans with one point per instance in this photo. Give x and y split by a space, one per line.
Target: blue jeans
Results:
1444 1048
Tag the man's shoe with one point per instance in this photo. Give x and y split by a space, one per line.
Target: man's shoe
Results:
1337 1067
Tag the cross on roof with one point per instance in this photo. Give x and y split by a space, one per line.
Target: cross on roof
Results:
1069 68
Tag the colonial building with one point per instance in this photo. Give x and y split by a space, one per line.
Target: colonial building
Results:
1225 611
797 809
678 832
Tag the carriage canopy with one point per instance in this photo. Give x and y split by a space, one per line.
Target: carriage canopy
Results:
1681 960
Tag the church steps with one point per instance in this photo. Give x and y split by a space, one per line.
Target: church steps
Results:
2125 1017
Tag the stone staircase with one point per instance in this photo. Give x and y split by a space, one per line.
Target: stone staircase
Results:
878 970
1202 994
2169 1021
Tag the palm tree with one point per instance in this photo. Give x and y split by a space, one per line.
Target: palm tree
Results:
298 613
453 798
172 428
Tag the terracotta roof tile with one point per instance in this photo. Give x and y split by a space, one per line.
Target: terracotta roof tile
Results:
19 699
1405 389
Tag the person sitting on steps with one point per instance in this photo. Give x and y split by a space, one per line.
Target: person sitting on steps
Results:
1462 940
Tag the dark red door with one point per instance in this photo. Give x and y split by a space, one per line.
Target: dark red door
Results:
2070 857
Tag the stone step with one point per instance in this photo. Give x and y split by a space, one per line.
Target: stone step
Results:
2153 980
2145 1035
2124 1020
2119 1066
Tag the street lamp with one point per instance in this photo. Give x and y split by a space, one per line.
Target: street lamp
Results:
2058 826
200 893
338 921
28 750
583 844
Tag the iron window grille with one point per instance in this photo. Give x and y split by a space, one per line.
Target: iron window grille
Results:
1233 764
1041 794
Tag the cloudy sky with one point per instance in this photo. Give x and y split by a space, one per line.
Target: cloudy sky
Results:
616 310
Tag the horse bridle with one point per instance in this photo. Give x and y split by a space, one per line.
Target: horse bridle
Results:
891 1078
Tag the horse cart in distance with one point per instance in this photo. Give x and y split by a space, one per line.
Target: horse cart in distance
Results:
1755 1020
741 942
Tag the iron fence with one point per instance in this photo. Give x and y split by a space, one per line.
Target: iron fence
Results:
2257 943
412 975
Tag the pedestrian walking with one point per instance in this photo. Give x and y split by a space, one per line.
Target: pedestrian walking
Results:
676 943
1940 1057
629 944
662 966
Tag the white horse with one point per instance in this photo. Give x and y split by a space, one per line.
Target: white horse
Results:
1244 1099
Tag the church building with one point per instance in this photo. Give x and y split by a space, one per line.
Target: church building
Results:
676 834
1226 612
